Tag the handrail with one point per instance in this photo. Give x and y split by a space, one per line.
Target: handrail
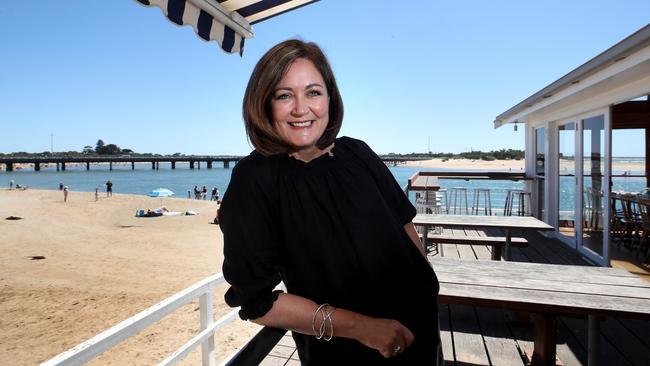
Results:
107 339
475 175
257 348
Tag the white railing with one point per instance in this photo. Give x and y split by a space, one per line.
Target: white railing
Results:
98 344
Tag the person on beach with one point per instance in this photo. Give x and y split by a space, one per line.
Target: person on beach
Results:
11 184
109 189
60 186
325 216
96 194
65 193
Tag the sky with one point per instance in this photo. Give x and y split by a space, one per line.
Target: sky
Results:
415 77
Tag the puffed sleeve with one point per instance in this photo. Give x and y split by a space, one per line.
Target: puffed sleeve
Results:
250 263
388 186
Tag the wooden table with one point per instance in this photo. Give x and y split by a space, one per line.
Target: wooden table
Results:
423 183
546 290
507 223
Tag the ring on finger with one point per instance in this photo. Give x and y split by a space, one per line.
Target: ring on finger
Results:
397 349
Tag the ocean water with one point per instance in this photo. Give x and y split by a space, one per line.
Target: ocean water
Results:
181 180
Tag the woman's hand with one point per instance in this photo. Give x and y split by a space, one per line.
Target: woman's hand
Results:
387 336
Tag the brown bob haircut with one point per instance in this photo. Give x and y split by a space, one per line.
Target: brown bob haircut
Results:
268 72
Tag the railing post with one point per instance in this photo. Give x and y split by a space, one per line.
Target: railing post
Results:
208 355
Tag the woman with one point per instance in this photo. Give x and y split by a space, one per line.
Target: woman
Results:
325 216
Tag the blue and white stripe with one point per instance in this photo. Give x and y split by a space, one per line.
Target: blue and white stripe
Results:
225 21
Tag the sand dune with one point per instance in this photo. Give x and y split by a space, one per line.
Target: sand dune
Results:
103 265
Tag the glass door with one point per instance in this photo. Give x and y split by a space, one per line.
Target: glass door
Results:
593 201
567 183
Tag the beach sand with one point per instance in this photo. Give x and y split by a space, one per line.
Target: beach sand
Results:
507 165
469 164
103 265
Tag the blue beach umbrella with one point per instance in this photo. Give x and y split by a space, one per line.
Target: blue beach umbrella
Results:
160 192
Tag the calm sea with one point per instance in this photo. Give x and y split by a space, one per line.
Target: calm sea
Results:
181 180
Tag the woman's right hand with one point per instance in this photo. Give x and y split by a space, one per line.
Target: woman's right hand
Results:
388 336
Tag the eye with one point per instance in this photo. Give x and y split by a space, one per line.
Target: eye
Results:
314 93
282 96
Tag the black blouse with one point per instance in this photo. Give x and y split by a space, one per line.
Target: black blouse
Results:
333 231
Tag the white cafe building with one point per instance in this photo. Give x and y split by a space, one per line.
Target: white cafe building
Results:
573 127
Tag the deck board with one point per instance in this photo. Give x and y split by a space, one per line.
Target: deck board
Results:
485 336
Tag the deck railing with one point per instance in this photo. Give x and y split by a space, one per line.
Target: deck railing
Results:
203 290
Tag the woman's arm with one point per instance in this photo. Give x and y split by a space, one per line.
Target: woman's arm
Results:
415 238
295 313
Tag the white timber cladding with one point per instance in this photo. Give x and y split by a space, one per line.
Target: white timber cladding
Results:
621 81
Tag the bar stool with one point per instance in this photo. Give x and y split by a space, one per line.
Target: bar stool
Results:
442 194
456 195
519 198
487 201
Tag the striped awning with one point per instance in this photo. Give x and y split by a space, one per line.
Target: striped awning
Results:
228 22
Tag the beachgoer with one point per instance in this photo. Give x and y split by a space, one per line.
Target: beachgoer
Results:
65 193
325 216
216 198
214 194
11 184
204 193
109 189
96 194
60 186
196 192
189 194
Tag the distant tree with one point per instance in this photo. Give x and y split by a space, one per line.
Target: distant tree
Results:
111 149
89 149
126 151
99 146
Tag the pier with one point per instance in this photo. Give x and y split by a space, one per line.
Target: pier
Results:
193 160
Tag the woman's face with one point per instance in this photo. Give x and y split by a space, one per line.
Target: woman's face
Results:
300 108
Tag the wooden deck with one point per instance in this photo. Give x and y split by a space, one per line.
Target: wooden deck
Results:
484 336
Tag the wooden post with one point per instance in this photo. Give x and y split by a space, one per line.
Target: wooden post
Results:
173 165
110 165
87 165
153 165
157 165
63 166
198 164
593 339
37 167
58 167
10 167
226 164
544 338
647 155
191 164
207 347
133 165
209 164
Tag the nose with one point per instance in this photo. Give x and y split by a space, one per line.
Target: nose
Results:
300 106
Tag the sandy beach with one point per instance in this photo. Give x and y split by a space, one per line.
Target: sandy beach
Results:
506 165
102 265
469 164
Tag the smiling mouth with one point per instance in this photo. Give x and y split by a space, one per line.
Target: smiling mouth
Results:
301 124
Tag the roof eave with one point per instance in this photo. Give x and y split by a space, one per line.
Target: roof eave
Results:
614 54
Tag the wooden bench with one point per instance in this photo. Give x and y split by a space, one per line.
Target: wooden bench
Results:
496 242
546 291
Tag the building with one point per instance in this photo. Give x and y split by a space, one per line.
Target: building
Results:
569 126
